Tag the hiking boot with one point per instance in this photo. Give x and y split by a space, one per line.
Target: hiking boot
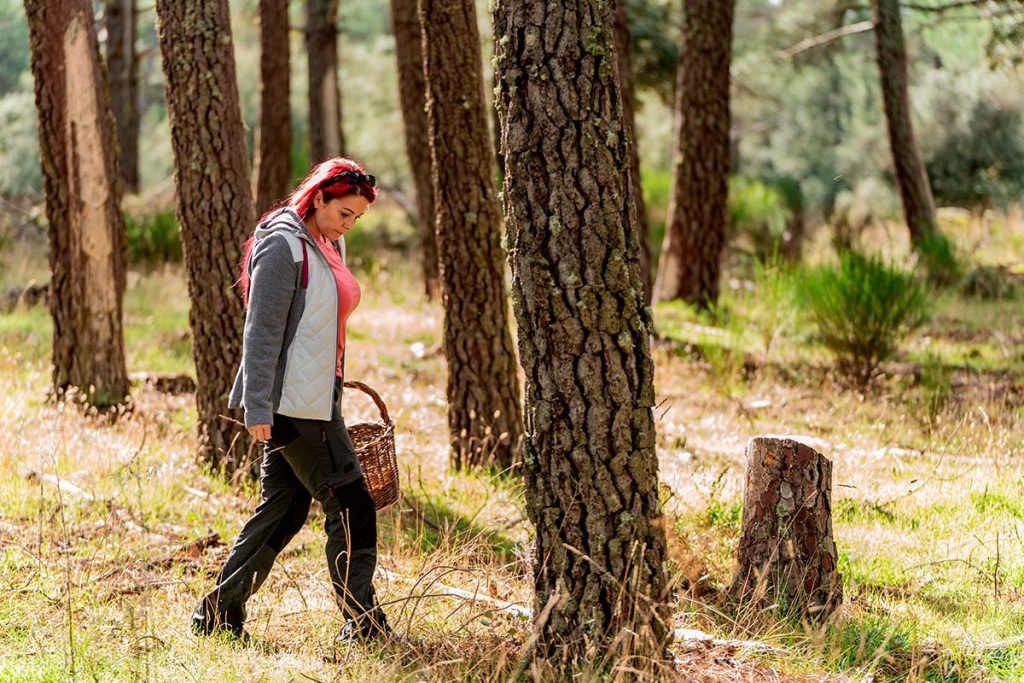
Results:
372 626
206 621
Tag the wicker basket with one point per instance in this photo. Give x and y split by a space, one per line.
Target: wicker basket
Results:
375 445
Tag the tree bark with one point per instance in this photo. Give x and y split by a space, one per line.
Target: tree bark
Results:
583 328
695 232
123 68
624 61
326 138
215 205
484 414
787 553
911 178
83 201
274 134
412 87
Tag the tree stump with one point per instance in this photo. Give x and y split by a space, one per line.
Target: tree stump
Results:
786 552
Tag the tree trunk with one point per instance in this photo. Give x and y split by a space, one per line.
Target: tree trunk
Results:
624 61
274 134
215 206
786 553
484 415
326 138
123 68
412 87
591 466
83 202
915 192
695 232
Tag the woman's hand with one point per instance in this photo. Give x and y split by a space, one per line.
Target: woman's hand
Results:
260 432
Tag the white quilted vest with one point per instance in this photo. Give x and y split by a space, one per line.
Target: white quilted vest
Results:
308 388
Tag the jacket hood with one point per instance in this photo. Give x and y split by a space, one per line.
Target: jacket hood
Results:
283 219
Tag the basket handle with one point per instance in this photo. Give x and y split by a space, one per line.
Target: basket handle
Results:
366 389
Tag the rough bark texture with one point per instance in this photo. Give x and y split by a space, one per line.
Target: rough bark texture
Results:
590 461
215 206
87 237
624 60
915 192
786 553
484 414
123 69
274 134
326 139
412 87
695 231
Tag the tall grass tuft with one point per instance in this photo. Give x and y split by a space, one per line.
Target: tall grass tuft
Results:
863 308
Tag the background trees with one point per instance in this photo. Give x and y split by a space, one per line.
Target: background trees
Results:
273 147
86 228
215 204
695 231
326 136
484 416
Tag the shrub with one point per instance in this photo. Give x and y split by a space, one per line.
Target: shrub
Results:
758 214
154 238
937 255
981 164
773 300
862 309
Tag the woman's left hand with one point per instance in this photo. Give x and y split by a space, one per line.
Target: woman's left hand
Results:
260 432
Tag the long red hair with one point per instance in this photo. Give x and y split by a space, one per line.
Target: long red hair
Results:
301 201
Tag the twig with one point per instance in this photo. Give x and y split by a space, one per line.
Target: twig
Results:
826 37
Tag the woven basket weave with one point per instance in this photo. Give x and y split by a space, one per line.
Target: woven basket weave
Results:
375 445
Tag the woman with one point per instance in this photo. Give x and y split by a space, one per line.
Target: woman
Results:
298 296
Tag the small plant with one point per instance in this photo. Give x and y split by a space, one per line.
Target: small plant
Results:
936 389
154 238
759 214
937 255
721 345
773 300
862 309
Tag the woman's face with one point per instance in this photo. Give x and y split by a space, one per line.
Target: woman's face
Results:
338 216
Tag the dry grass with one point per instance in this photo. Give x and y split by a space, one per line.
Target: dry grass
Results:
98 523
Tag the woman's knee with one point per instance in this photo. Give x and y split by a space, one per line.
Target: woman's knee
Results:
354 516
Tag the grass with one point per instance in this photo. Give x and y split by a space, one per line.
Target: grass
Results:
96 577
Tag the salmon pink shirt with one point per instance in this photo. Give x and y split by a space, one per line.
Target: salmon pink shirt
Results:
348 292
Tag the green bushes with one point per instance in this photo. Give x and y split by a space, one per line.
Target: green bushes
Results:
862 309
154 238
759 215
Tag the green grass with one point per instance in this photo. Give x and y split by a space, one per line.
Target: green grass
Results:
926 513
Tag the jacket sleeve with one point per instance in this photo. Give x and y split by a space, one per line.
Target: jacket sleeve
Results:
271 288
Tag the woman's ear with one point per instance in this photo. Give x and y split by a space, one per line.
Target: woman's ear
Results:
318 199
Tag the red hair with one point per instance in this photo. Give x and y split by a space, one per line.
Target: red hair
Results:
301 201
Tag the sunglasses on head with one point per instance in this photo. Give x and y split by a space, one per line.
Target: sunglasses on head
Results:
353 177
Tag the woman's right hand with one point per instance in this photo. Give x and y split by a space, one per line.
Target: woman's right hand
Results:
260 432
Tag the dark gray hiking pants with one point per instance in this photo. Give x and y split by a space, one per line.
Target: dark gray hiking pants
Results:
304 459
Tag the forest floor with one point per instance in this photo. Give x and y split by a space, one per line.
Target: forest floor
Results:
110 532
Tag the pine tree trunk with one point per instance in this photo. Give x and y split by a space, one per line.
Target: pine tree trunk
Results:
624 60
787 554
326 139
695 231
123 69
583 328
83 202
215 205
274 134
484 415
915 192
412 91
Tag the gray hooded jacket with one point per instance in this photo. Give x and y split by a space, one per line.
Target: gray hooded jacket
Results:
290 343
